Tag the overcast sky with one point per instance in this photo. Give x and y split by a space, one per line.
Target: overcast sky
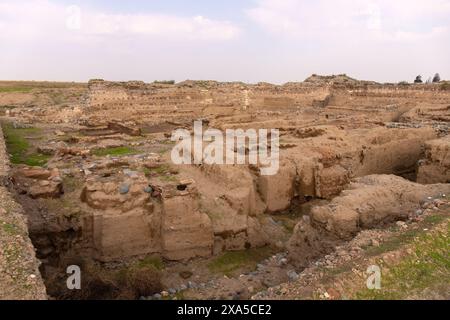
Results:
244 40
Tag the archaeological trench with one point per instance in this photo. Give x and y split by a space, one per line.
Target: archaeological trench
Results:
88 169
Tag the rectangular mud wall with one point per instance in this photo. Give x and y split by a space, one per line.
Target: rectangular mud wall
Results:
20 278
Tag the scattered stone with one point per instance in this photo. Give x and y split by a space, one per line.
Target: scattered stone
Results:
164 294
283 262
187 182
375 243
292 275
124 188
34 173
130 173
402 224
157 296
46 189
184 287
59 133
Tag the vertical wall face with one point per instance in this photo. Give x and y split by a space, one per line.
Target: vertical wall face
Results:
186 232
138 223
4 160
435 168
22 281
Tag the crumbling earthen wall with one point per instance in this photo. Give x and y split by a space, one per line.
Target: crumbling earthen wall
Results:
145 220
435 168
20 278
4 158
366 203
322 166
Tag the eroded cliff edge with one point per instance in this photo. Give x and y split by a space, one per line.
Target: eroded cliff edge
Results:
20 278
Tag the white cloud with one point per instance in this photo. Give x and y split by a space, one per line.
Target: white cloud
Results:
304 18
371 39
32 18
384 40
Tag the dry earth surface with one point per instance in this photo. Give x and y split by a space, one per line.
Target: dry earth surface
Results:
88 180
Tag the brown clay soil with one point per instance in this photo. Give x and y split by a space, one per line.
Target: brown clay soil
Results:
364 179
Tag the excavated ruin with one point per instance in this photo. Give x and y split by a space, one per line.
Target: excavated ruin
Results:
353 156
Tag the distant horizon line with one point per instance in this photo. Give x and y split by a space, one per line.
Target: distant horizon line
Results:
207 80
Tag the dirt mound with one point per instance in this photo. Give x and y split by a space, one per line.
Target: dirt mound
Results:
368 202
334 79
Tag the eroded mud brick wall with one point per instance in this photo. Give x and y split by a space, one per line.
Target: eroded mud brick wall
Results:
19 274
4 160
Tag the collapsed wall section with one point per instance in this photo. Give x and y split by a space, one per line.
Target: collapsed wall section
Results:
322 166
367 203
435 168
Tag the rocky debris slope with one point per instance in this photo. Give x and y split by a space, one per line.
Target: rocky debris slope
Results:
4 158
368 202
342 274
19 269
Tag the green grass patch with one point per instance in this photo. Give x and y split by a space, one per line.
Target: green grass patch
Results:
154 262
15 89
10 229
162 169
394 243
163 172
20 148
36 160
117 151
428 267
406 237
170 82
288 221
147 172
231 261
445 85
167 178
